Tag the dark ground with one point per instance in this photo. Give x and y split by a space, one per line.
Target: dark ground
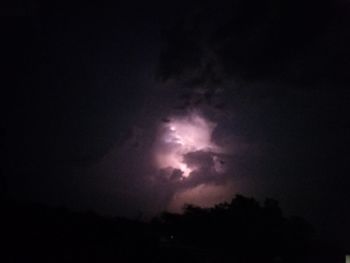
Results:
240 231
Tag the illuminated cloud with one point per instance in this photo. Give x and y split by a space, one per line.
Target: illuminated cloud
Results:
181 136
189 161
204 195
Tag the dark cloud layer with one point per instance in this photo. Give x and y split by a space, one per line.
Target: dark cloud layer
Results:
86 88
279 71
289 42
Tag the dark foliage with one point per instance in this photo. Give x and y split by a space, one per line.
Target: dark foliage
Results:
35 233
243 229
240 231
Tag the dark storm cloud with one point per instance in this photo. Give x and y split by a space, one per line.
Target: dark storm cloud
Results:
207 168
81 106
202 159
300 42
206 165
279 71
176 175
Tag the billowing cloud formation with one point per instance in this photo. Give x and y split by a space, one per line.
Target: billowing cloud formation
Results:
185 144
187 158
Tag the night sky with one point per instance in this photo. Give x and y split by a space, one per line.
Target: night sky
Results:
134 109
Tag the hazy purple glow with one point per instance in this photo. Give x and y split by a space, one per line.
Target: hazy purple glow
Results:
204 195
182 135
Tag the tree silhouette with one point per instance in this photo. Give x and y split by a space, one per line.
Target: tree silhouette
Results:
242 229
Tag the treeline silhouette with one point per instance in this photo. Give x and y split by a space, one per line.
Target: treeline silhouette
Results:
242 230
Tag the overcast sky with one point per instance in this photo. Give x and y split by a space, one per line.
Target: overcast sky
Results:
88 93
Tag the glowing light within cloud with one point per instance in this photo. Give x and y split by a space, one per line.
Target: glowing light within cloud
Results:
204 195
181 135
